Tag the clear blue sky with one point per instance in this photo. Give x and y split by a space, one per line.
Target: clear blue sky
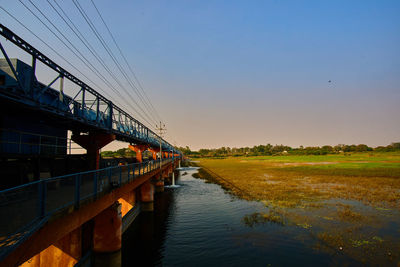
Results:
242 73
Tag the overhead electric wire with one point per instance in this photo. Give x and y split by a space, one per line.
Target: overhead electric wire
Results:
126 61
58 54
103 63
85 42
87 63
108 50
111 54
99 74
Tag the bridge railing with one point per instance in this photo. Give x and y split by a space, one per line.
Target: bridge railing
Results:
81 104
24 208
21 142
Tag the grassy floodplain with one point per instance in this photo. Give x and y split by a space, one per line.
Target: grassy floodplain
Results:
350 203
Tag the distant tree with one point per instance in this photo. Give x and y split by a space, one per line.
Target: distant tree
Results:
121 152
328 149
362 148
107 153
396 146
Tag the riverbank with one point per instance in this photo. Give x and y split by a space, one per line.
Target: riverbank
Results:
350 203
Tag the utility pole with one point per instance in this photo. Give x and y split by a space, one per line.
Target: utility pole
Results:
161 130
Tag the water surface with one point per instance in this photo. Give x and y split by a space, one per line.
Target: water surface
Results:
199 224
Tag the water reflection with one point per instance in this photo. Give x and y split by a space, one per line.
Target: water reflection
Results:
199 224
144 240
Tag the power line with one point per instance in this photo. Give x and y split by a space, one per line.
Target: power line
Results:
51 48
84 41
138 113
126 61
161 130
93 28
88 64
110 53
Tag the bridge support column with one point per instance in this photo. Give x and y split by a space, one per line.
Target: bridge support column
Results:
147 196
159 186
65 252
107 233
154 152
127 201
139 149
93 142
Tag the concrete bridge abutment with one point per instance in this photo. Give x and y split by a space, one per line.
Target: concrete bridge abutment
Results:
139 149
154 152
159 186
65 252
93 142
147 196
107 236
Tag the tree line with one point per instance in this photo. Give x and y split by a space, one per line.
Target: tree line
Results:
267 150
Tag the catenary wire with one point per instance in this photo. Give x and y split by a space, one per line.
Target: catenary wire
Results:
110 53
138 113
88 64
126 61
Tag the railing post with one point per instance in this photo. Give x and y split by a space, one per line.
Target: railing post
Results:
42 198
120 175
95 184
77 190
19 149
40 144
109 175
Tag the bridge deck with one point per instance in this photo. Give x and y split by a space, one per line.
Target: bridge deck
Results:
84 110
24 209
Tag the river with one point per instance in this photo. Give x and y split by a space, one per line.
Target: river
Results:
199 224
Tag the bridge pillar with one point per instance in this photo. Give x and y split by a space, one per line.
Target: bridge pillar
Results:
127 201
159 186
139 149
154 152
65 252
93 142
147 196
107 233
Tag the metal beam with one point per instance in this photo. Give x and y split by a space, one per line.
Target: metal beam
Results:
18 41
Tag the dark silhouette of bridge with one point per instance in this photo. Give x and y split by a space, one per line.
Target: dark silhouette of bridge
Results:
56 207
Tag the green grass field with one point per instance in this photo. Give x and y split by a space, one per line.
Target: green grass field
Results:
345 157
348 198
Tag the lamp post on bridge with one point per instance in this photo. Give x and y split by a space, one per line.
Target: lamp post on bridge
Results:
161 130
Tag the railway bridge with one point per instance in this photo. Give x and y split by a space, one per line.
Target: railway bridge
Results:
59 208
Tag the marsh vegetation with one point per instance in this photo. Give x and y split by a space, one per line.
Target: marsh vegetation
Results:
350 204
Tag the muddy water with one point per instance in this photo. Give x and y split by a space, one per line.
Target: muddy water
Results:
199 224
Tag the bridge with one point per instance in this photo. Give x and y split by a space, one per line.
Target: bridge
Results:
59 208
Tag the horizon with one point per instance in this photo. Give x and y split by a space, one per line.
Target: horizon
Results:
293 147
239 74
